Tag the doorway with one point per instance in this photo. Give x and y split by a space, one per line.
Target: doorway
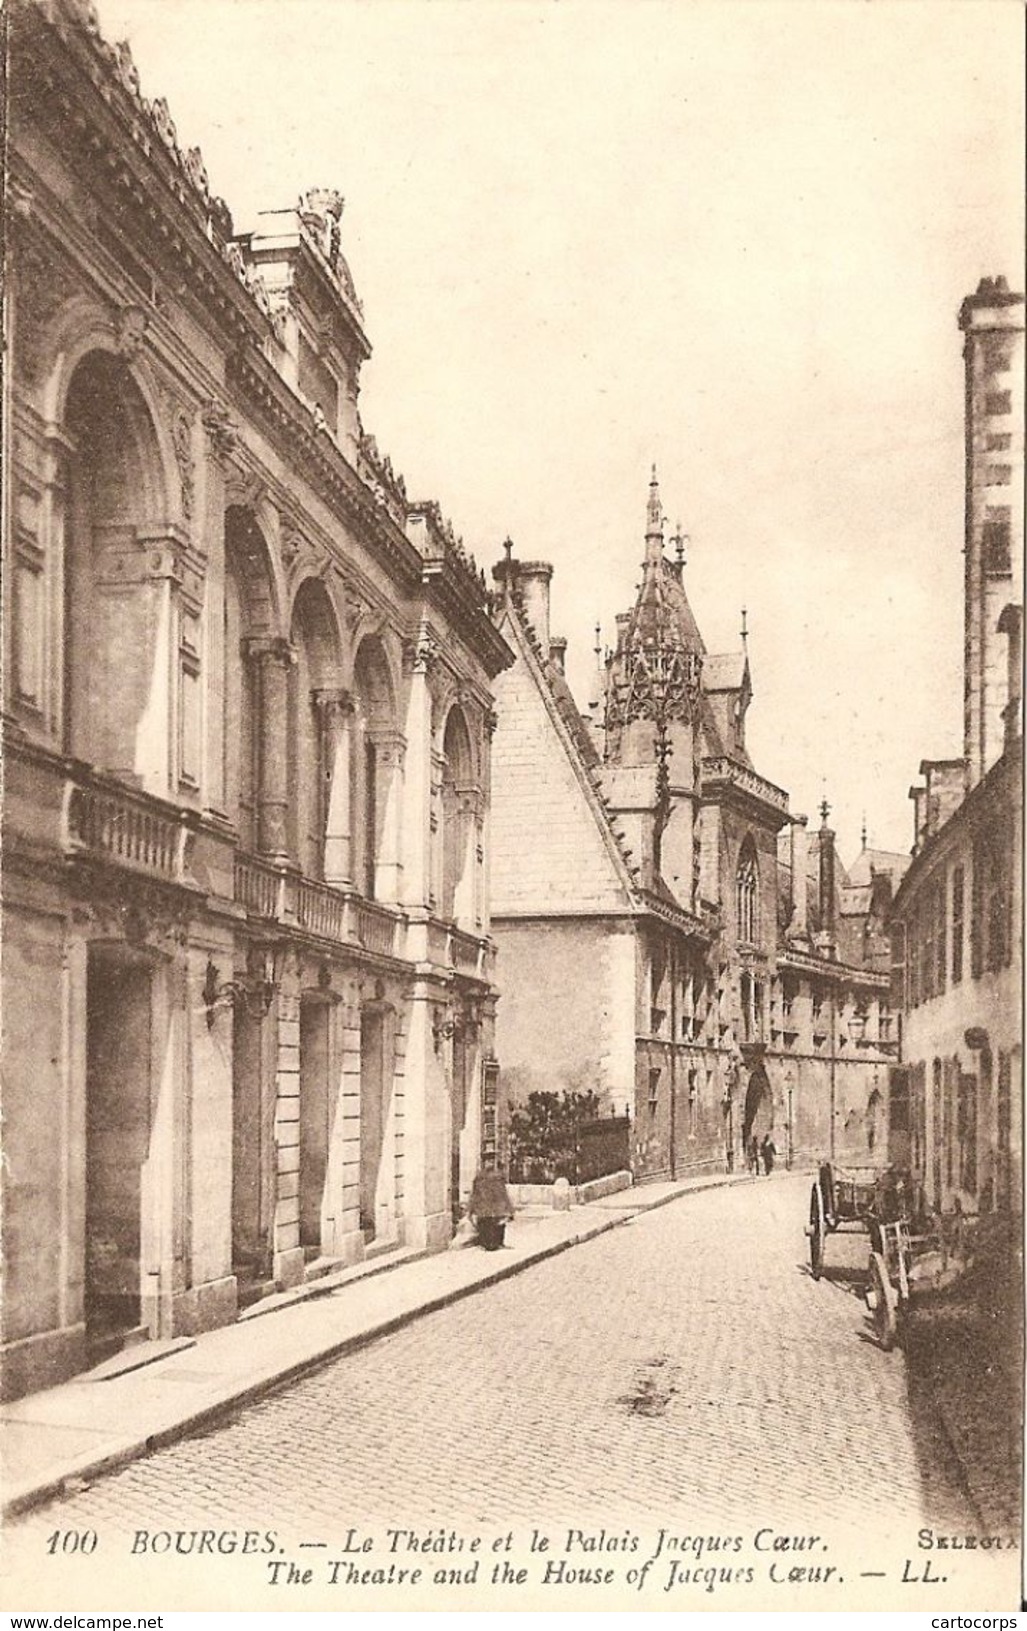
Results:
459 1119
375 1076
758 1115
118 1121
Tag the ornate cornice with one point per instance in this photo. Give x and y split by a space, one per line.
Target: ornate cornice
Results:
271 401
86 95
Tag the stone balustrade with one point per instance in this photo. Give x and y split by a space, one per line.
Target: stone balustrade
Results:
132 830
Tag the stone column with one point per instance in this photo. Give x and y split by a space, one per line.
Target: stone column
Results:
217 442
436 832
390 748
273 659
335 713
417 830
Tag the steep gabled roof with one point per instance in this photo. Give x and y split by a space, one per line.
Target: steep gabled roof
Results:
578 756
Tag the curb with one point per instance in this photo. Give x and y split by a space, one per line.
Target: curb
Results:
135 1449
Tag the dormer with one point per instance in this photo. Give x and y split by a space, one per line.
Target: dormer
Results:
728 689
298 254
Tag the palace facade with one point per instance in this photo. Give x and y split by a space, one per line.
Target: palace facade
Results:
670 935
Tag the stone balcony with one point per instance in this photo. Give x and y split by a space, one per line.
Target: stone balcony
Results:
280 895
103 819
724 773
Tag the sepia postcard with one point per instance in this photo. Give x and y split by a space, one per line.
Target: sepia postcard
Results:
513 528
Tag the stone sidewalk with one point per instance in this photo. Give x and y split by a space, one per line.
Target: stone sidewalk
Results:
158 1392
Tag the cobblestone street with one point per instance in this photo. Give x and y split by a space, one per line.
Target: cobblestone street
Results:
683 1369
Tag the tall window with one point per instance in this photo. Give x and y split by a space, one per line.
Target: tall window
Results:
747 894
958 911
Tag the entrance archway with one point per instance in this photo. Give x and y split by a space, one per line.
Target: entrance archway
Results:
118 1123
758 1117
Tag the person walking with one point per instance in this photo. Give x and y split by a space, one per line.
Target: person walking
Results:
490 1207
768 1150
754 1156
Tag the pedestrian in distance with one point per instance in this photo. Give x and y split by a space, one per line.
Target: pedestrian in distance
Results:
490 1207
768 1149
754 1156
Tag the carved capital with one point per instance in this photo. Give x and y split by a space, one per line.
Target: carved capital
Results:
333 704
269 650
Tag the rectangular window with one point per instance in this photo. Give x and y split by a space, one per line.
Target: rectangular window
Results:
998 402
1003 1130
979 862
999 475
950 1071
941 940
189 700
999 442
966 1132
29 631
654 1090
958 908
317 382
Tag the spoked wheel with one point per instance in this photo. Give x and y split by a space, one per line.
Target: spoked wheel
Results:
884 1303
816 1231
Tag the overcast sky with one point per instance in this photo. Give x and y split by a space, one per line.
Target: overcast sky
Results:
728 237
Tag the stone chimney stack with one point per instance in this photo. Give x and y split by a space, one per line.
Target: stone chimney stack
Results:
799 925
530 579
533 579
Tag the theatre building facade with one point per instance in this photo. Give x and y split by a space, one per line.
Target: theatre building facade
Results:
248 980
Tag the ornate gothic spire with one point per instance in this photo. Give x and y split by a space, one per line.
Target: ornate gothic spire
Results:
654 524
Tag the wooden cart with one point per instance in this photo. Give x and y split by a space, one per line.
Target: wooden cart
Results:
906 1263
853 1199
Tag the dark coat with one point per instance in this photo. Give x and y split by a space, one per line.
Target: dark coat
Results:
490 1197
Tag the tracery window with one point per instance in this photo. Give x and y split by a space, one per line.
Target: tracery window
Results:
747 884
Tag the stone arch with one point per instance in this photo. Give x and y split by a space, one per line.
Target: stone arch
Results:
459 811
121 558
250 618
758 1114
81 332
313 692
375 769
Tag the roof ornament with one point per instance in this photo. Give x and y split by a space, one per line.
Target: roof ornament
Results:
654 523
864 830
745 628
825 811
508 550
598 647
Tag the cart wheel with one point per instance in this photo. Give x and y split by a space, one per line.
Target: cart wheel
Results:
817 1231
884 1301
